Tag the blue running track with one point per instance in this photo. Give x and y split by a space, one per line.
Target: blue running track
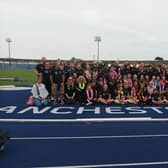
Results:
59 137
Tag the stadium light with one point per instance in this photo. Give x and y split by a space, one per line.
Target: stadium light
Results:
9 40
97 39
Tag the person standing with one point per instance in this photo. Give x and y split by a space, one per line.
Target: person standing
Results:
57 81
41 66
46 77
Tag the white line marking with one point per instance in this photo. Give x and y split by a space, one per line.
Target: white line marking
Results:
14 88
112 165
137 119
89 137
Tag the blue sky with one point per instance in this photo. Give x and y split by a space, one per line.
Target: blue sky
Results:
130 29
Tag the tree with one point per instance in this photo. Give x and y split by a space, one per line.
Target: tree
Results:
159 58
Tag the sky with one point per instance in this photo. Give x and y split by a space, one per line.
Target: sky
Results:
130 29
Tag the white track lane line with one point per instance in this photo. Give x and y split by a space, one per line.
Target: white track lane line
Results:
112 165
89 137
118 119
126 119
77 119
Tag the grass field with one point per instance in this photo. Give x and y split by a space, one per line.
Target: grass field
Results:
26 76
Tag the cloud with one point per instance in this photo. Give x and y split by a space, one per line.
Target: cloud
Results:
66 28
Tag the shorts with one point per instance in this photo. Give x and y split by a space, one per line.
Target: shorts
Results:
57 90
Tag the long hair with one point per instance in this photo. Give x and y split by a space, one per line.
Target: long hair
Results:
81 79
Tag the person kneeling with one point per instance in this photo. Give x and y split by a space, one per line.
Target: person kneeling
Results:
40 93
70 91
90 95
105 95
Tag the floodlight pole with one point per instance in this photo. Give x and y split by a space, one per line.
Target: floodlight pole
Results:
94 57
9 40
98 51
97 39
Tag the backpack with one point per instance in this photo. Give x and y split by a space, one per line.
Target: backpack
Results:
4 137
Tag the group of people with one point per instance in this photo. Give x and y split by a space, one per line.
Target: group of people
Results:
91 82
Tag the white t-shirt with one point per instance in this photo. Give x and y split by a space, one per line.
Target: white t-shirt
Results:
43 93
